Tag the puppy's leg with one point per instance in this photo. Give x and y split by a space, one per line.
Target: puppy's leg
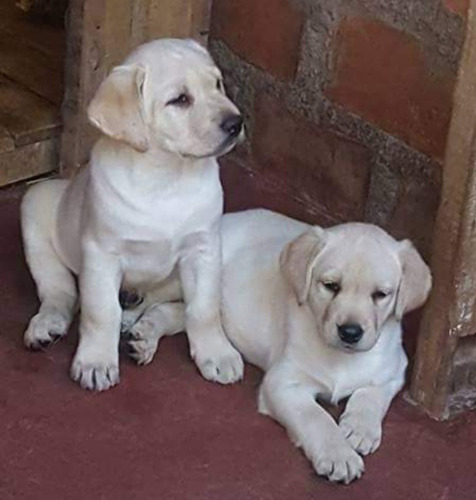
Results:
292 403
158 321
162 293
96 362
362 419
200 273
54 282
57 293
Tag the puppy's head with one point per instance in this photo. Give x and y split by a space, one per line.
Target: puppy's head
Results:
168 94
354 278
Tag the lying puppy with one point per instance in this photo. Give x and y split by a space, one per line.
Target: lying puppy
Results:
147 210
319 311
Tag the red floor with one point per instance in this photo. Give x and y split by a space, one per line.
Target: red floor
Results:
165 433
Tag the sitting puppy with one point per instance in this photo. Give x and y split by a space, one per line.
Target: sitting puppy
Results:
319 311
146 210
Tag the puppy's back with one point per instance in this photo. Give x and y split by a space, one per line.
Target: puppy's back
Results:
253 287
257 228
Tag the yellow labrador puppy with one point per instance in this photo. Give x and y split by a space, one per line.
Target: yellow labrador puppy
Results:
319 310
147 210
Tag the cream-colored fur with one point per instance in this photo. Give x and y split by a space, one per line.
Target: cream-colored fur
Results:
145 212
287 288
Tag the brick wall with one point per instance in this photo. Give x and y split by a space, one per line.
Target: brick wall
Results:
347 103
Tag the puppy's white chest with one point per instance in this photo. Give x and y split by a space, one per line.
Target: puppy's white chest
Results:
346 380
338 374
147 261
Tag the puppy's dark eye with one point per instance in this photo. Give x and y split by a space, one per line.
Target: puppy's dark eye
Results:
219 84
379 295
182 100
332 286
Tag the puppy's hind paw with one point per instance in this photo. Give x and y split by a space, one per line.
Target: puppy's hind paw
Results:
219 362
142 342
44 330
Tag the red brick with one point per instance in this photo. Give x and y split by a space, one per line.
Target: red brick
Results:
315 165
381 75
245 188
265 33
457 6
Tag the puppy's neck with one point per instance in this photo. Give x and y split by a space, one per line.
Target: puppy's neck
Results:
155 165
161 159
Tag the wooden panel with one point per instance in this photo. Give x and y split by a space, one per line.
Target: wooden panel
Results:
140 22
6 140
450 312
31 67
97 38
48 39
116 37
100 34
178 18
51 11
31 52
74 122
27 117
28 161
170 18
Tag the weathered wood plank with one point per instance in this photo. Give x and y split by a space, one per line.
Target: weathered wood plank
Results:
179 18
50 11
28 161
98 37
44 37
27 117
31 67
140 22
451 312
6 140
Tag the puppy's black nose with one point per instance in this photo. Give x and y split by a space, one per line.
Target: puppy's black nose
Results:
232 125
349 333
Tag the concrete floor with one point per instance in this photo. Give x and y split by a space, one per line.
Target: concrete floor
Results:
165 433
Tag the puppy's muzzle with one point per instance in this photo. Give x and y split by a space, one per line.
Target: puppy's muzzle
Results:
350 333
232 125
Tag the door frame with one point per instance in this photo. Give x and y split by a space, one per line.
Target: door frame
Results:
444 373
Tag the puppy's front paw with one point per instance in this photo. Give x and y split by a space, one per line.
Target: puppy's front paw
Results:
362 430
143 341
218 360
45 329
338 462
95 374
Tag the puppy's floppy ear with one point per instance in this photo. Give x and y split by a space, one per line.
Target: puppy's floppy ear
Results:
298 259
415 284
117 107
